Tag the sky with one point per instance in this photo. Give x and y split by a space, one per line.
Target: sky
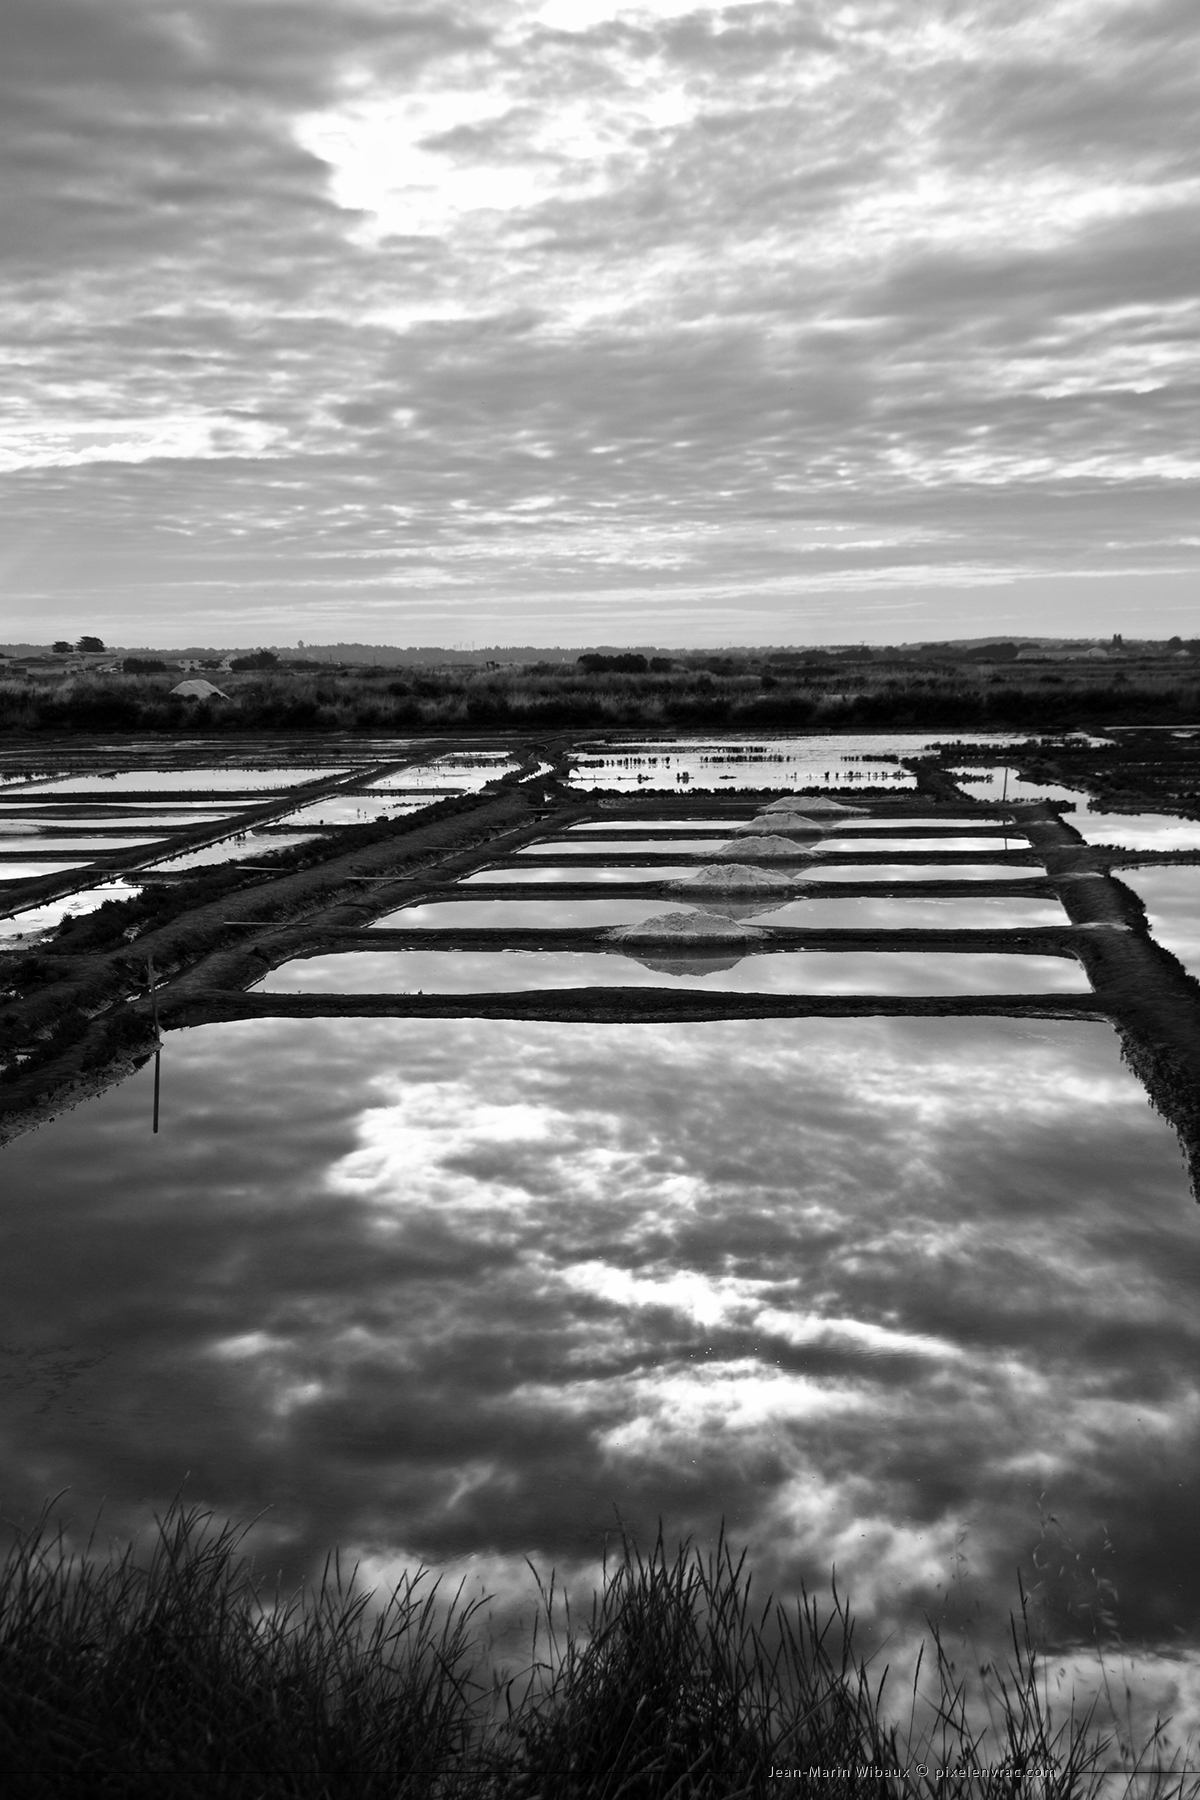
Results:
569 321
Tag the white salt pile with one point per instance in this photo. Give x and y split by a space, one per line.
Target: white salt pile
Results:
763 846
811 803
733 876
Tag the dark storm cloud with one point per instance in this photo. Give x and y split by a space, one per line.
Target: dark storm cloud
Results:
364 318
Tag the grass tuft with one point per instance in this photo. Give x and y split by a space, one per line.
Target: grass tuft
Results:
181 1673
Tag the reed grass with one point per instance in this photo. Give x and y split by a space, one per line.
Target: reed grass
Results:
181 1673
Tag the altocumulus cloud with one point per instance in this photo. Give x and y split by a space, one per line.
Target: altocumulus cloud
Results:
573 319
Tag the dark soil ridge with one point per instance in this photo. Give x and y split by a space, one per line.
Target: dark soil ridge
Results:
90 1019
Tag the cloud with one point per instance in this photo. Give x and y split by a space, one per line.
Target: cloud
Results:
698 277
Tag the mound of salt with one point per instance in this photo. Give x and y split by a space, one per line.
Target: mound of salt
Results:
731 876
694 925
811 803
762 846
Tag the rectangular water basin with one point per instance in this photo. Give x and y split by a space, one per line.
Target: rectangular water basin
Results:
679 846
843 1283
914 912
354 809
946 842
1001 784
246 844
1137 831
911 972
790 761
536 873
67 842
465 773
980 871
27 871
103 819
205 781
501 915
36 921
640 825
1172 901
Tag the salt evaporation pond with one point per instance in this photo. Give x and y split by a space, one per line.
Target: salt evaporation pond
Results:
1000 784
65 841
247 843
1172 901
893 972
1137 831
931 871
23 871
461 773
499 915
171 781
914 912
32 921
534 874
794 760
352 809
916 1297
103 817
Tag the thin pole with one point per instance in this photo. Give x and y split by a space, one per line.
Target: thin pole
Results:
158 1036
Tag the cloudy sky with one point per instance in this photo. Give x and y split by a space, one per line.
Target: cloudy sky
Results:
571 321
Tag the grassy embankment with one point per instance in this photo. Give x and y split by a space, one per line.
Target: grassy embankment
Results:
743 693
180 1674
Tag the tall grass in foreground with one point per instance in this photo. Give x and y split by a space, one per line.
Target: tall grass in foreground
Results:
178 1674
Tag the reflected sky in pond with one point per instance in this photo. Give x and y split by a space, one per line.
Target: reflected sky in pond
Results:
235 849
353 809
785 972
500 915
35 921
930 871
799 760
885 1293
167 781
1137 831
898 912
1172 901
536 874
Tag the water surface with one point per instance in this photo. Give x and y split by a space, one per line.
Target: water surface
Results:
918 1297
535 874
909 972
1172 901
501 915
247 843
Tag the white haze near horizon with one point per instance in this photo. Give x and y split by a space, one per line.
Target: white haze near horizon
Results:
573 321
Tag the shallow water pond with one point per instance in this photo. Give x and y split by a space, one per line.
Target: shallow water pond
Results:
235 849
353 809
1137 831
915 1297
501 915
1172 901
167 781
803 760
535 874
915 912
23 871
731 970
931 871
33 921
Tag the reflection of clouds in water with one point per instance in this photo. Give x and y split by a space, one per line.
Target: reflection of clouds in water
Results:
460 1288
